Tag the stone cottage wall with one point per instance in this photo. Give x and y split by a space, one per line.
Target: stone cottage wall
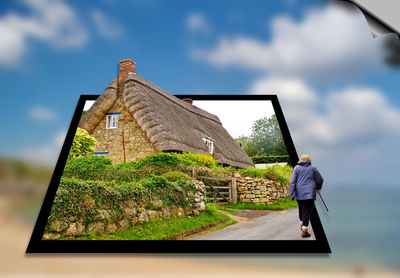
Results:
109 221
137 145
257 190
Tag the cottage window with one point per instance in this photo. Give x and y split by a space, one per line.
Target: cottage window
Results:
112 121
210 144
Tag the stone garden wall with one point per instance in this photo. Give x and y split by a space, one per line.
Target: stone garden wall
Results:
258 190
108 216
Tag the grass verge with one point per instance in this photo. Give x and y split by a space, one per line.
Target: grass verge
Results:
225 208
278 205
174 228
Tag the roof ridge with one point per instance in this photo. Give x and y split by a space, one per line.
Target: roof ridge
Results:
191 108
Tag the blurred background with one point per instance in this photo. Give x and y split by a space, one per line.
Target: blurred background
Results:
337 85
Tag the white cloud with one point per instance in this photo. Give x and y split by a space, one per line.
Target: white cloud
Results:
347 130
361 115
106 27
197 22
88 105
41 113
237 116
351 132
326 44
46 153
295 97
50 21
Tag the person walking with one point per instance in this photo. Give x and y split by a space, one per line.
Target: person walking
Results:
303 185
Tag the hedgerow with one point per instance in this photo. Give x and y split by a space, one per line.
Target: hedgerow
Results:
172 166
270 158
100 168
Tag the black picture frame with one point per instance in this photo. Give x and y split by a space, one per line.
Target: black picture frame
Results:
37 245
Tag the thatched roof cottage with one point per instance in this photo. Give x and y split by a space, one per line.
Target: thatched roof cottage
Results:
134 118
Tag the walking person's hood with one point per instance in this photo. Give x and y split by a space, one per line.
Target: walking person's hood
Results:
303 181
304 162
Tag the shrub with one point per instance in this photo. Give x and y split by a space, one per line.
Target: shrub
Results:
100 168
200 159
160 159
270 158
131 164
120 174
171 193
176 175
284 173
163 160
278 173
83 144
218 171
155 182
109 173
86 167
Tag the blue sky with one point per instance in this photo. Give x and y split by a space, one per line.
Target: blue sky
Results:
340 100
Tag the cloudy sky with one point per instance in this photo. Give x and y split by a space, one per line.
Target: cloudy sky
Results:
339 98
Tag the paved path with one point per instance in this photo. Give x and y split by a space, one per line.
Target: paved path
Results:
280 225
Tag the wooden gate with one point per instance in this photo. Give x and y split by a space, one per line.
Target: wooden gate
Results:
225 194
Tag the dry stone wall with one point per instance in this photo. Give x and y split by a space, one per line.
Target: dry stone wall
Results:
130 213
258 190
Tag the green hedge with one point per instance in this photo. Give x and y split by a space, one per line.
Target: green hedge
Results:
163 160
270 159
100 168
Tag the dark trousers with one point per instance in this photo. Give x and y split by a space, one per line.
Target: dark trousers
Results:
305 209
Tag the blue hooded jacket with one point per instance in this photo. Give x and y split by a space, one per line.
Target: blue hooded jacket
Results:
304 181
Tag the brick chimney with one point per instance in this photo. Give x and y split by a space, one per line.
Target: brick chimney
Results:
126 66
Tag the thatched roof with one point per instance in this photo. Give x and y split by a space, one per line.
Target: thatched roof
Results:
170 123
105 101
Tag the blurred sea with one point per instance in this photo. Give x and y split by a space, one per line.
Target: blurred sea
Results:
363 224
362 227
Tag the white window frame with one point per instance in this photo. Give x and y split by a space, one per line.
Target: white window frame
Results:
210 144
112 121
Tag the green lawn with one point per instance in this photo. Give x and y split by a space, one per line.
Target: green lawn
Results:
279 205
173 228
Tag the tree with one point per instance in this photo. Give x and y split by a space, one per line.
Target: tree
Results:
83 144
266 138
248 145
